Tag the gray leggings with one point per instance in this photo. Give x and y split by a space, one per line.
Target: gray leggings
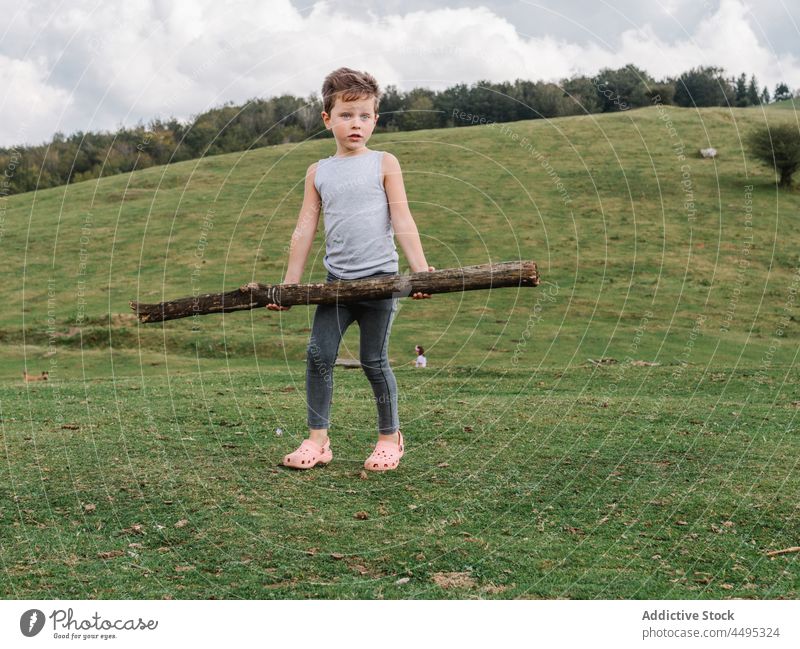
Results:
374 319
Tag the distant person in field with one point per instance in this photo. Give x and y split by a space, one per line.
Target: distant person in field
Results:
363 198
421 360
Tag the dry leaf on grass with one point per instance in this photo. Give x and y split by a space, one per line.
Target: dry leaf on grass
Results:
89 507
703 577
775 553
359 568
281 584
110 554
453 580
134 529
362 516
574 530
182 523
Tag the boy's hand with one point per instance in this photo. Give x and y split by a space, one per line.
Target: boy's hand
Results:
271 307
422 296
278 307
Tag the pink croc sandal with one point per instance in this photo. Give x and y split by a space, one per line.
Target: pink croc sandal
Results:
386 456
308 455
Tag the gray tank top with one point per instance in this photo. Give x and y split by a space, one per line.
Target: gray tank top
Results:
359 238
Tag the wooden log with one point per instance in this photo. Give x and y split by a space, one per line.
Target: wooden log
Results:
251 296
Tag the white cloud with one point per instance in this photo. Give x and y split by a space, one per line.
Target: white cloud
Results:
725 39
95 67
30 103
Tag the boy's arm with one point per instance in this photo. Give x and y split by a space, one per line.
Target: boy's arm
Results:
405 229
303 235
403 223
305 230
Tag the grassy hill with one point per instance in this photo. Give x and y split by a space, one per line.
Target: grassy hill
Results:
614 240
148 466
790 104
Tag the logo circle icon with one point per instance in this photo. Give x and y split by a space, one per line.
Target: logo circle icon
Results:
31 622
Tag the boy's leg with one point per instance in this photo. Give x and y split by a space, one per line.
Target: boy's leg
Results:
375 319
330 323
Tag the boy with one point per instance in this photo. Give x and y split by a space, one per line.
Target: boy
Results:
362 194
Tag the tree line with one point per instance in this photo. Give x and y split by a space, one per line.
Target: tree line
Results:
278 120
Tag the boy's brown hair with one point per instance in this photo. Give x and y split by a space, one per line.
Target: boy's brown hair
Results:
348 85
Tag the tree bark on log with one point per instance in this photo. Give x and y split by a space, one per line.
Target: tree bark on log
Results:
251 296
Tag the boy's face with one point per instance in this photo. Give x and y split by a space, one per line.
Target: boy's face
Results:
352 122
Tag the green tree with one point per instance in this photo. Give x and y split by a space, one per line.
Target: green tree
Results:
782 92
549 100
390 107
765 96
582 92
200 135
506 105
779 147
492 101
622 89
753 98
420 112
703 86
661 93
310 115
741 91
452 101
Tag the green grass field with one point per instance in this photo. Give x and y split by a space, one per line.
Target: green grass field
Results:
148 466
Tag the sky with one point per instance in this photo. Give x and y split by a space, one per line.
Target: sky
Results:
97 65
